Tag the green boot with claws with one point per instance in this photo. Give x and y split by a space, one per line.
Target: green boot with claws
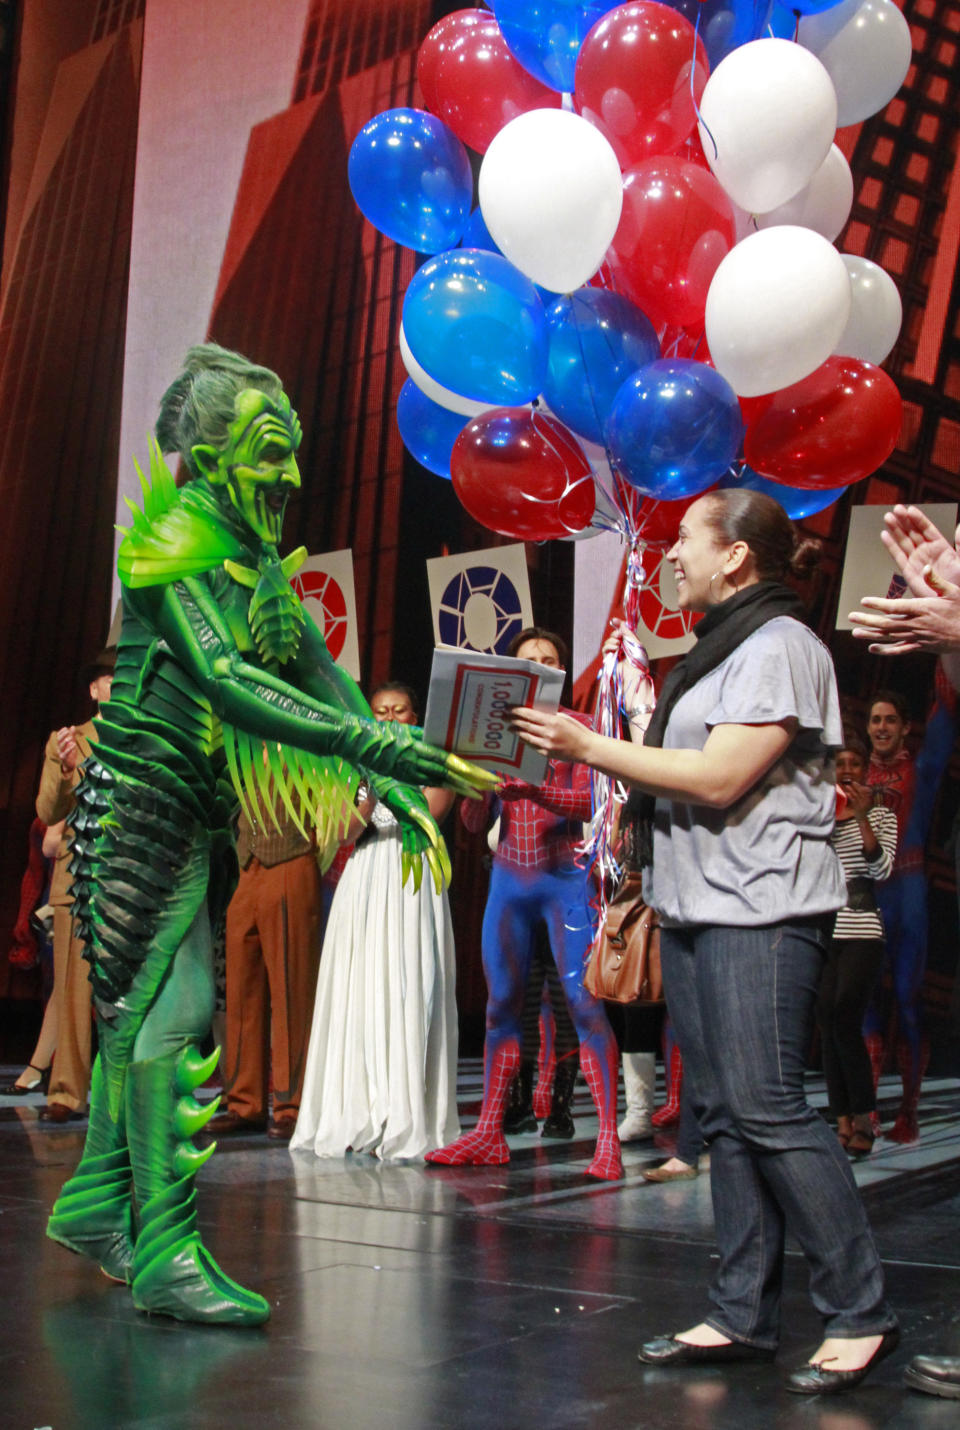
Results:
173 1273
93 1215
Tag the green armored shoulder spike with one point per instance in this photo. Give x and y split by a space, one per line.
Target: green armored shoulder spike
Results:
175 534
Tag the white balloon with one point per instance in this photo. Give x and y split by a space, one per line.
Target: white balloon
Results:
770 109
824 205
875 311
550 194
443 396
776 308
865 47
746 223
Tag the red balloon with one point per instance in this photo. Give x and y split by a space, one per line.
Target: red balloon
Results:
834 427
686 343
692 150
523 474
659 521
751 407
471 79
676 227
632 79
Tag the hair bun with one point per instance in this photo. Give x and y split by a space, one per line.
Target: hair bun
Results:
806 556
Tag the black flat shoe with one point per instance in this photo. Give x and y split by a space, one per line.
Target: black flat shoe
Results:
12 1089
666 1350
820 1380
58 1112
937 1375
560 1126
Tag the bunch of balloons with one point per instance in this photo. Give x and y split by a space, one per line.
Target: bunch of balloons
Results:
647 299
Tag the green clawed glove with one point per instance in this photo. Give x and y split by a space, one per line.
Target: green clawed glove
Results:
440 767
421 839
400 752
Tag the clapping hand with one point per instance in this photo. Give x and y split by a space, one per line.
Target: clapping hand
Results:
929 619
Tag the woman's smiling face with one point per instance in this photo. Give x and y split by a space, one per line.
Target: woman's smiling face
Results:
696 557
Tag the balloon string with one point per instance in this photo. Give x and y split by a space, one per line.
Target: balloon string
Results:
607 795
548 437
597 851
693 97
619 495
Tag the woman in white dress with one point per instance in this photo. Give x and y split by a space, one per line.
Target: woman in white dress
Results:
381 1072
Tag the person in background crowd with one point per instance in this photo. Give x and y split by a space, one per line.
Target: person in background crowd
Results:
381 1074
733 826
535 877
32 946
684 1164
908 787
272 957
865 838
548 1047
66 751
926 620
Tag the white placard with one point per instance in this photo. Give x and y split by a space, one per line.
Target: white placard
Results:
601 572
868 568
480 600
325 586
470 695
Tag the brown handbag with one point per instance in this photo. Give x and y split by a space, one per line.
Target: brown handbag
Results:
624 963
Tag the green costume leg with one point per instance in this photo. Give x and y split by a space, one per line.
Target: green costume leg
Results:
92 1214
173 1273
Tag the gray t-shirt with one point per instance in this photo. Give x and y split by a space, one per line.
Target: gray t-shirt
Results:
768 857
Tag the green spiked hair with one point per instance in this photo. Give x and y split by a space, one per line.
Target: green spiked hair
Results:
198 406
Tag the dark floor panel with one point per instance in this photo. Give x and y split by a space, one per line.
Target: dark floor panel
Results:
404 1297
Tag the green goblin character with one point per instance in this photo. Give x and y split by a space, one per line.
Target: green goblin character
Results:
224 690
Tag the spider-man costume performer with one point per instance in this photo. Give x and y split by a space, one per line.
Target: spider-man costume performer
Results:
908 786
535 877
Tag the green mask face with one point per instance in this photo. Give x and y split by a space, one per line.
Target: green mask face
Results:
257 466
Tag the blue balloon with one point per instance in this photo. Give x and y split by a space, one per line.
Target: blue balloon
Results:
477 325
724 25
546 35
796 503
597 339
812 7
428 430
477 235
783 21
675 428
411 177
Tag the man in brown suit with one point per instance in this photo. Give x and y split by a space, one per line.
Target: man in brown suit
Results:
65 753
272 955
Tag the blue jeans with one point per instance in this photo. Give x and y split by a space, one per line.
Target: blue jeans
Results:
742 1002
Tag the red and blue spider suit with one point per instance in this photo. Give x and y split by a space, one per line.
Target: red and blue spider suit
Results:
535 877
908 786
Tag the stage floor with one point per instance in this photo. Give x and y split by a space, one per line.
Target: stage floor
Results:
511 1297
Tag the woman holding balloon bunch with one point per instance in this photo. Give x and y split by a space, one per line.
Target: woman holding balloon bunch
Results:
733 807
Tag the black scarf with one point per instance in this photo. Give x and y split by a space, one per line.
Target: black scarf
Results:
724 627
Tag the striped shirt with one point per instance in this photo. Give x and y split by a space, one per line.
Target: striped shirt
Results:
848 843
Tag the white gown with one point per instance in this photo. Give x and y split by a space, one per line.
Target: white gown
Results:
381 1072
